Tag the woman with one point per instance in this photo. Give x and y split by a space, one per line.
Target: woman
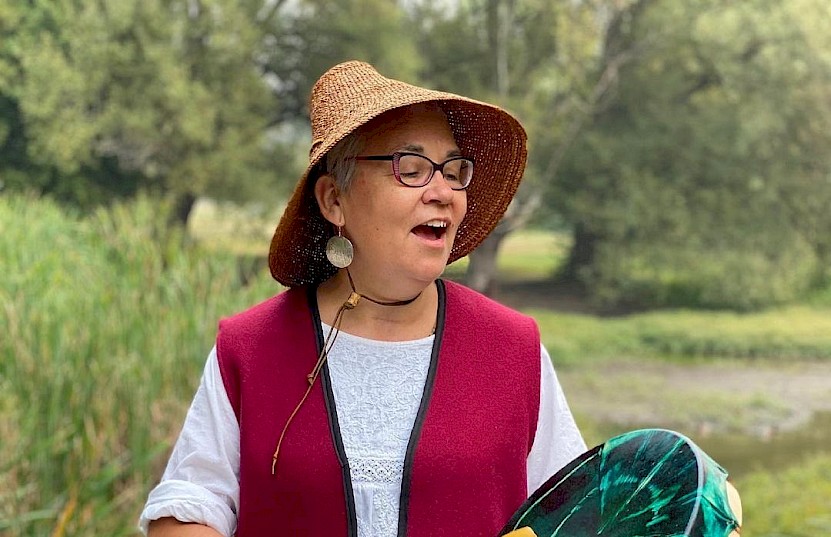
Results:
373 398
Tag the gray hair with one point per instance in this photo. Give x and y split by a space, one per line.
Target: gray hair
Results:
339 162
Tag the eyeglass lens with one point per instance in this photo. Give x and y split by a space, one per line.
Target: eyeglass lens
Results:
417 170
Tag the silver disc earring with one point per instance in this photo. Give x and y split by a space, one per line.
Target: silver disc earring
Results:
339 250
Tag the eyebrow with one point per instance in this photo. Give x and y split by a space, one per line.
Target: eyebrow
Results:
415 148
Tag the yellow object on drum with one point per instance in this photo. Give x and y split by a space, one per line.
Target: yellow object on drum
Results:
735 505
522 532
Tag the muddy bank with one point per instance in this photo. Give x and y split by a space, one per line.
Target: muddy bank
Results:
754 398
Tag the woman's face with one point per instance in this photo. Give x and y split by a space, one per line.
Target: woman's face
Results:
402 234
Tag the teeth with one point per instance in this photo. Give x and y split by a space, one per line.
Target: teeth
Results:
436 223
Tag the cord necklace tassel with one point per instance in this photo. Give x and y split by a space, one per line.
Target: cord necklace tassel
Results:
331 337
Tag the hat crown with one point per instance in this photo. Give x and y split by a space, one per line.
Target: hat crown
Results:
346 94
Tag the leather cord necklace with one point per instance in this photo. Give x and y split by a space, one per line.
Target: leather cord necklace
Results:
350 303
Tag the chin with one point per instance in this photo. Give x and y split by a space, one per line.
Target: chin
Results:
427 273
435 273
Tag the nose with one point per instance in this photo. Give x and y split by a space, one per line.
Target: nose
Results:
438 190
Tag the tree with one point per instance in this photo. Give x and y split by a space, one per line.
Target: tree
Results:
310 36
701 182
112 96
542 60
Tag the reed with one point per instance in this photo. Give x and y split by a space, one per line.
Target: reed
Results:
106 323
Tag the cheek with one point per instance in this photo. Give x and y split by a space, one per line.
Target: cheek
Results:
359 202
370 212
462 204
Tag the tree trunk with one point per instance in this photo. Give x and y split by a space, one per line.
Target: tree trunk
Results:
581 255
481 271
182 207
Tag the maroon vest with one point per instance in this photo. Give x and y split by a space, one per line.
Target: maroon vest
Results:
465 468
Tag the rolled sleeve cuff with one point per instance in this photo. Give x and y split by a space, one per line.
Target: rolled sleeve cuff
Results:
187 502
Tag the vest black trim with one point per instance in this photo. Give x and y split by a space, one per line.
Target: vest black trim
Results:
332 414
415 434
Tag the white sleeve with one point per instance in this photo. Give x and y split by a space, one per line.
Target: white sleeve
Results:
201 481
558 441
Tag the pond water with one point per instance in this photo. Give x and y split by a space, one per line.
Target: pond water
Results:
773 451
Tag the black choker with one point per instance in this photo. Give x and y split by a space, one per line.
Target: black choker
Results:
380 303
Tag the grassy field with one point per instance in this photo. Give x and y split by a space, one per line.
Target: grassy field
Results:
106 321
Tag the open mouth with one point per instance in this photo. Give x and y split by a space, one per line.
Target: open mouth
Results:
433 230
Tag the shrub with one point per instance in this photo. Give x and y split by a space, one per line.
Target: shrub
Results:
700 276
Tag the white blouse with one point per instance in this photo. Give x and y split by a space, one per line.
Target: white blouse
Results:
377 387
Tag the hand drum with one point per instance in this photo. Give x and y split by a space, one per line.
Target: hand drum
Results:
647 483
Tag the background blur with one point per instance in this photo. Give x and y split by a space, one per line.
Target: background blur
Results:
672 235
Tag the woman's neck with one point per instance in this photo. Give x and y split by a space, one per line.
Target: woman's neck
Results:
413 319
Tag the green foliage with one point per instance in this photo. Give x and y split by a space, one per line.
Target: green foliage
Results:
791 333
313 35
640 273
683 142
107 321
534 57
573 339
704 182
793 503
103 98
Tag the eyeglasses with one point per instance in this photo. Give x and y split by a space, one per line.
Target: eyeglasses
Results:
414 170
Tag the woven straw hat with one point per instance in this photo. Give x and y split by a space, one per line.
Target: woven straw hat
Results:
348 96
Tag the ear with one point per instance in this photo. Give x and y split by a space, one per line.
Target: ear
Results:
327 195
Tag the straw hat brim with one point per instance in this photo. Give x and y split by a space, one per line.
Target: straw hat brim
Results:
492 136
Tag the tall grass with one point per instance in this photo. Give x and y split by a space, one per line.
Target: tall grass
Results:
787 333
104 328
